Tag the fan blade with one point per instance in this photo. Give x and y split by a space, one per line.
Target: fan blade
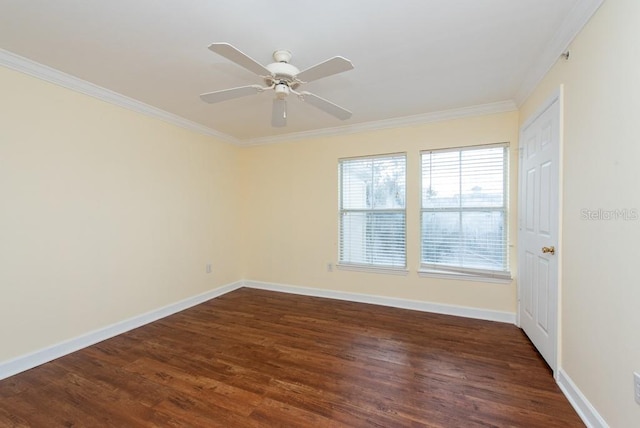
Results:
326 106
332 66
279 113
229 94
240 58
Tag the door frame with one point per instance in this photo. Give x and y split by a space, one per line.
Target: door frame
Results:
556 96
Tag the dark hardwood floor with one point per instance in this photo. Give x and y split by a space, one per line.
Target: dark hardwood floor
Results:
258 358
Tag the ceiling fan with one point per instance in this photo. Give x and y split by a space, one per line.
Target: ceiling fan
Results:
283 78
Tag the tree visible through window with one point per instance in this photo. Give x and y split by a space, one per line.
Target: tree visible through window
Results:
372 211
464 210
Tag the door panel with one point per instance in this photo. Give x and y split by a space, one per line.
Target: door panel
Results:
528 276
529 198
545 202
543 294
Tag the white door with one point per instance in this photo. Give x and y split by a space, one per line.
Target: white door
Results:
538 230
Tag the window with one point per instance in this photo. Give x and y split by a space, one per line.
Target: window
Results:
464 211
372 211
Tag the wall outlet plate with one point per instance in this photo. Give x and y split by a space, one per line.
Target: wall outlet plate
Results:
636 384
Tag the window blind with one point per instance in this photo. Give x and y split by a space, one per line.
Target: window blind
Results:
372 211
464 210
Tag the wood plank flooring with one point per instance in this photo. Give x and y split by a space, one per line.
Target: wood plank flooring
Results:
255 358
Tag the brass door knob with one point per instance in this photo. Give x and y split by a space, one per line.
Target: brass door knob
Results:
550 250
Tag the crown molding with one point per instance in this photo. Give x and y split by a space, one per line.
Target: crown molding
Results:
32 68
48 74
420 119
575 21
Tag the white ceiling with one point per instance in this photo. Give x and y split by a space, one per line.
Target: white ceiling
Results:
411 57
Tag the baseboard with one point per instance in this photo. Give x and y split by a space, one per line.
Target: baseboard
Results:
461 311
26 362
583 407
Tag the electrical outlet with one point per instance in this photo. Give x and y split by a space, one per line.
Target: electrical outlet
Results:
209 269
636 383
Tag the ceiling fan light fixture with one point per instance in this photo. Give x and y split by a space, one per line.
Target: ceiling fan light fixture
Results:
282 90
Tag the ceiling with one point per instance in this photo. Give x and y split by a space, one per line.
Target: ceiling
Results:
412 58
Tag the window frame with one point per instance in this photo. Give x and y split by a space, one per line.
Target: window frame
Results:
459 272
370 267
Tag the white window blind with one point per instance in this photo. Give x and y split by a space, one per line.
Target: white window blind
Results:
464 210
372 211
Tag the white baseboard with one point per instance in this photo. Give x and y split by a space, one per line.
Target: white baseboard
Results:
461 311
583 407
34 359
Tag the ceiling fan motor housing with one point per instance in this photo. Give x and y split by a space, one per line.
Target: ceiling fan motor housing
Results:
282 72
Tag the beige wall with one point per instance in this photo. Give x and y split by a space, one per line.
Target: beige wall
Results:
105 214
291 204
600 291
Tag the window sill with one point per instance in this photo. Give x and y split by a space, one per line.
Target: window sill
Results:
373 269
427 273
